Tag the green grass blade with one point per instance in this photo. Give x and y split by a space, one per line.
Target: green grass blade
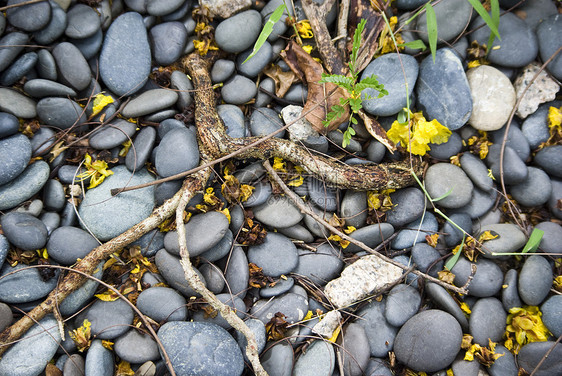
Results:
486 17
453 260
496 20
431 28
534 241
267 29
442 197
417 44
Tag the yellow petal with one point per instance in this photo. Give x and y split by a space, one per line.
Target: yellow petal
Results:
100 101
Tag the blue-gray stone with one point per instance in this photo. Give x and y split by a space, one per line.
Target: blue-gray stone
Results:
451 16
535 280
40 88
535 127
72 66
30 355
536 12
9 125
402 302
549 43
46 66
264 121
125 58
55 28
477 171
518 46
504 365
141 149
83 22
257 63
18 69
424 256
162 304
168 125
15 153
480 203
355 349
415 232
278 359
223 69
371 235
4 247
233 119
66 244
281 286
258 329
33 208
89 47
277 255
23 286
196 347
318 360
135 347
292 305
552 314
238 307
79 297
550 159
354 208
24 230
380 333
321 266
237 274
27 184
150 243
108 216
552 237
533 191
238 90
180 82
510 239
487 321
487 279
178 152
213 276
17 104
445 301
260 194
239 32
514 169
280 27
170 268
515 139
168 42
278 212
112 134
447 149
74 365
62 113
453 235
510 293
149 102
534 353
321 195
445 179
14 43
408 205
442 90
109 319
99 360
30 17
219 250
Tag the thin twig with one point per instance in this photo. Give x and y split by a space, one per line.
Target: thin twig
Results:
20 4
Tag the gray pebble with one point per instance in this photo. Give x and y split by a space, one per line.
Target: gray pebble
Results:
112 135
532 353
67 244
15 153
277 255
239 32
162 304
408 205
178 152
73 68
402 302
487 321
510 293
380 333
535 280
510 239
134 347
24 231
445 178
487 279
534 190
238 90
27 184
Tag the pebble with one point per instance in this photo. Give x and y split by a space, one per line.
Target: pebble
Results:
515 140
168 42
408 205
277 255
278 212
321 266
453 235
237 274
447 179
233 119
321 195
9 125
99 360
554 197
371 235
297 232
170 268
126 41
24 286
238 90
548 43
62 113
504 365
514 169
40 344
141 149
17 104
477 171
67 244
510 294
280 26
318 360
213 276
109 320
487 321
535 128
27 184
278 359
452 17
108 216
79 297
16 41
550 160
355 349
420 336
389 70
73 69
258 329
402 302
281 286
6 317
30 17
445 301
424 256
487 279
182 84
264 121
239 32
18 69
535 190
354 208
237 305
55 28
196 346
533 353
552 314
443 92
149 102
112 135
415 232
535 280
74 365
380 332
493 98
293 306
83 22
134 347
177 152
15 153
220 249
24 231
510 239
552 237
447 149
40 88
518 46
257 63
222 70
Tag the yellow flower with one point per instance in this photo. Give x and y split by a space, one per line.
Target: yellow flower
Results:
307 48
100 101
279 164
97 171
524 325
554 117
204 46
336 238
126 146
558 283
304 29
124 369
108 296
385 39
82 336
107 344
380 201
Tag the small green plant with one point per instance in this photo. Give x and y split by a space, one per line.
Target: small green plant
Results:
352 87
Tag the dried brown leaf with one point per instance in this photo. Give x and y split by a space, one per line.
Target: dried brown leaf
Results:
377 131
283 80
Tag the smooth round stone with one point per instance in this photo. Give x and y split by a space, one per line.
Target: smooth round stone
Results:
169 125
550 159
9 125
371 235
74 365
535 190
150 101
79 297
177 152
552 314
182 84
237 273
552 237
375 151
515 140
163 8
510 294
32 208
108 216
354 208
282 286
447 179
238 90
238 307
166 190
452 17
259 195
447 149
453 234
15 153
424 256
109 319
17 104
18 69
162 304
297 232
54 29
518 46
66 244
445 301
549 43
514 169
379 332
15 43
221 249
202 232
258 329
46 66
493 97
487 279
321 195
214 277
196 346
99 360
535 280
223 69
83 22
134 347
278 212
510 239
73 68
168 42
257 63
443 92
293 306
25 186
318 360
171 269
112 135
402 302
142 148
337 138
277 255
233 119
62 113
415 232
477 171
125 58
89 47
239 32
40 88
30 17
504 365
389 70
150 243
24 230
6 317
278 359
355 349
487 321
38 344
554 197
533 353
535 127
264 121
408 205
321 266
24 286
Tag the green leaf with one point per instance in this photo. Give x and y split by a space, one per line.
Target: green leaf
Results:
479 8
417 44
534 241
402 117
337 112
355 104
431 28
338 79
453 260
356 44
442 197
267 29
353 121
371 82
496 20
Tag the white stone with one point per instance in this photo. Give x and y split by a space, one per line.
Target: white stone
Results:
542 90
326 326
301 129
226 8
493 98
